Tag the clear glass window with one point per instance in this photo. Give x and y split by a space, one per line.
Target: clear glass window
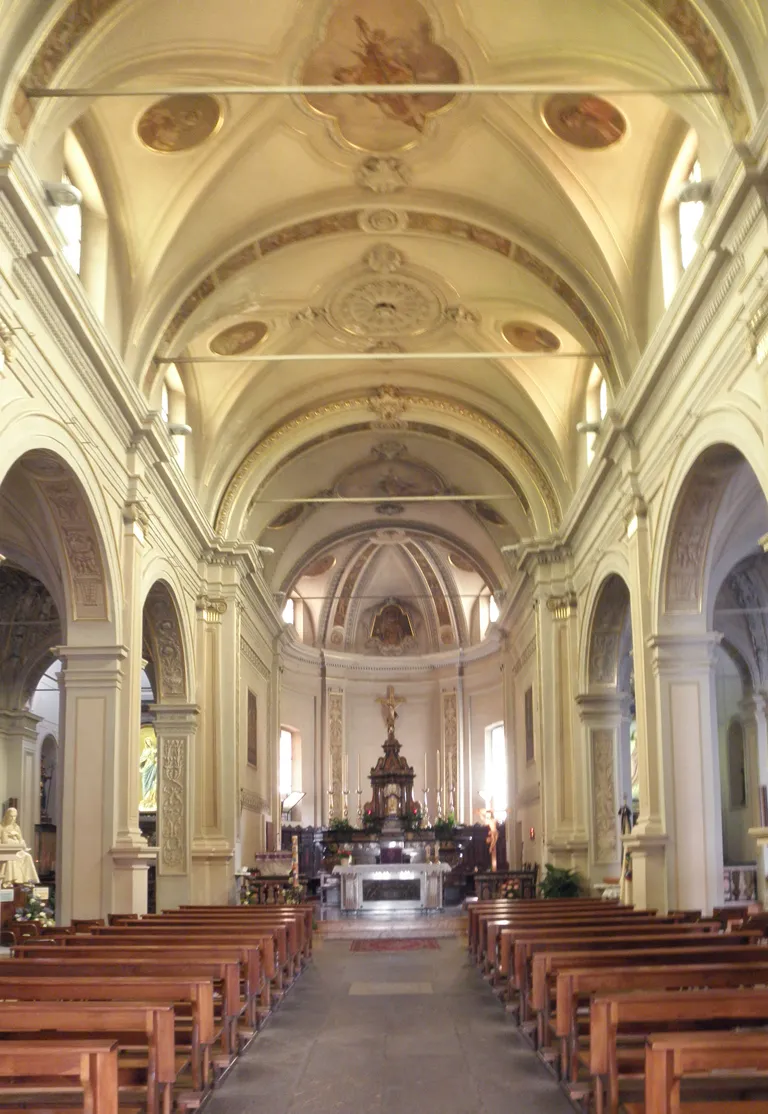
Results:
286 762
496 769
69 218
689 215
289 611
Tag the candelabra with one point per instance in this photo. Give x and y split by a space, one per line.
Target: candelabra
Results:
425 821
360 807
452 800
345 795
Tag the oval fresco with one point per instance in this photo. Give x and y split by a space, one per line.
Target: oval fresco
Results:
179 123
239 338
527 337
584 120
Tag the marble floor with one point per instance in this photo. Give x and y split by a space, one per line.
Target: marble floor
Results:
364 1033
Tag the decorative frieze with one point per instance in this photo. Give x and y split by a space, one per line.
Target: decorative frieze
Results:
336 747
525 657
253 802
250 655
172 835
450 743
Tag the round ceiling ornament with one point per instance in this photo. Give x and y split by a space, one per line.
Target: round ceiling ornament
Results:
527 337
386 306
584 120
382 220
179 123
238 339
459 561
287 517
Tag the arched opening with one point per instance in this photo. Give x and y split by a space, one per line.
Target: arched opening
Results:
54 584
164 753
680 213
607 711
712 661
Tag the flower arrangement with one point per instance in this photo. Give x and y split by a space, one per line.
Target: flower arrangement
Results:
340 826
35 911
371 822
445 826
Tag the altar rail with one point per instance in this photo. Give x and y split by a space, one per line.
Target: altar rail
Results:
506 883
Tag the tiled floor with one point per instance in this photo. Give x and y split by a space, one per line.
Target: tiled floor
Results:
335 925
348 1040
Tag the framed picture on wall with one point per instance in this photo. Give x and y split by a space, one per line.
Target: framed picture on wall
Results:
252 732
529 724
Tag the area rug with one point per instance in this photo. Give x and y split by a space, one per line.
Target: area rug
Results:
396 944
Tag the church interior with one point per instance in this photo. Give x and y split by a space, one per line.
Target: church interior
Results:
477 609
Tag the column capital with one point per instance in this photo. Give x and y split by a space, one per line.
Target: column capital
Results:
210 608
19 722
597 706
91 666
682 653
175 718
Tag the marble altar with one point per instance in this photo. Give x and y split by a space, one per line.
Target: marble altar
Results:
367 887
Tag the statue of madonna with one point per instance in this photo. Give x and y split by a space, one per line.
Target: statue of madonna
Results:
21 868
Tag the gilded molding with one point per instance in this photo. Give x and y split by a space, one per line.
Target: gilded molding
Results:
210 609
400 402
562 607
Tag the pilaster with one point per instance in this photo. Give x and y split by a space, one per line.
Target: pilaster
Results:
91 680
684 666
754 711
605 721
175 727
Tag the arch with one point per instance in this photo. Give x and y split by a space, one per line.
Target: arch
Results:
60 473
264 457
609 620
690 501
166 644
613 564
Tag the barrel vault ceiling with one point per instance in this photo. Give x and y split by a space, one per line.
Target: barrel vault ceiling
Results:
458 224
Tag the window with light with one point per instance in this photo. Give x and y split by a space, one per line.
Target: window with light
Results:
496 768
69 218
286 762
689 214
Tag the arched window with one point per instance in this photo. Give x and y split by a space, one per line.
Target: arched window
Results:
679 220
496 789
84 225
737 777
493 609
487 611
289 611
596 406
173 407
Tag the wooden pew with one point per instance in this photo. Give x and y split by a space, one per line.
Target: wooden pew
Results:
304 910
670 1057
100 947
576 984
534 907
194 993
299 935
526 947
273 941
615 1016
60 1066
125 1023
224 975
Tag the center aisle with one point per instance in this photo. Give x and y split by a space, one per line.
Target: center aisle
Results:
364 1032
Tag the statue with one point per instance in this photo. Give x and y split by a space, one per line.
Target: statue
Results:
487 817
21 868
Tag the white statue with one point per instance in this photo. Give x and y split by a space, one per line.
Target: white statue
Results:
21 868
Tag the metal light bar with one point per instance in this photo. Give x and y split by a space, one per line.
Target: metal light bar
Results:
391 499
388 90
284 357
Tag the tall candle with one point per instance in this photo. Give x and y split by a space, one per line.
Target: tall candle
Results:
359 786
426 782
438 770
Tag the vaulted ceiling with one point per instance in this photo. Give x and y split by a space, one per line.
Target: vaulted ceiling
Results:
520 226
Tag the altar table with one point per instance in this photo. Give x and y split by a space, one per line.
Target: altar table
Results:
366 887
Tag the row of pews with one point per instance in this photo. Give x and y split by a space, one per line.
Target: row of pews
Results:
142 1015
634 1012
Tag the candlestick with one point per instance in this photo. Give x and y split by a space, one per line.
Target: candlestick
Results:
345 795
330 805
425 821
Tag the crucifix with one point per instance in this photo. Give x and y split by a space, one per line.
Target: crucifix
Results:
390 702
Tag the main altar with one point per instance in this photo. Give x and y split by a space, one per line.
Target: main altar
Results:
366 888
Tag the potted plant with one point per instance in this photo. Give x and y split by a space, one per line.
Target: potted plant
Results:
340 826
560 882
412 818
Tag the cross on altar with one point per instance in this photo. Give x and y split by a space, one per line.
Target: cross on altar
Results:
390 702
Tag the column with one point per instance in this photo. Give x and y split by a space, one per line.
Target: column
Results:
603 718
212 838
449 714
131 857
20 762
335 757
648 841
90 724
175 727
684 665
275 719
753 710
